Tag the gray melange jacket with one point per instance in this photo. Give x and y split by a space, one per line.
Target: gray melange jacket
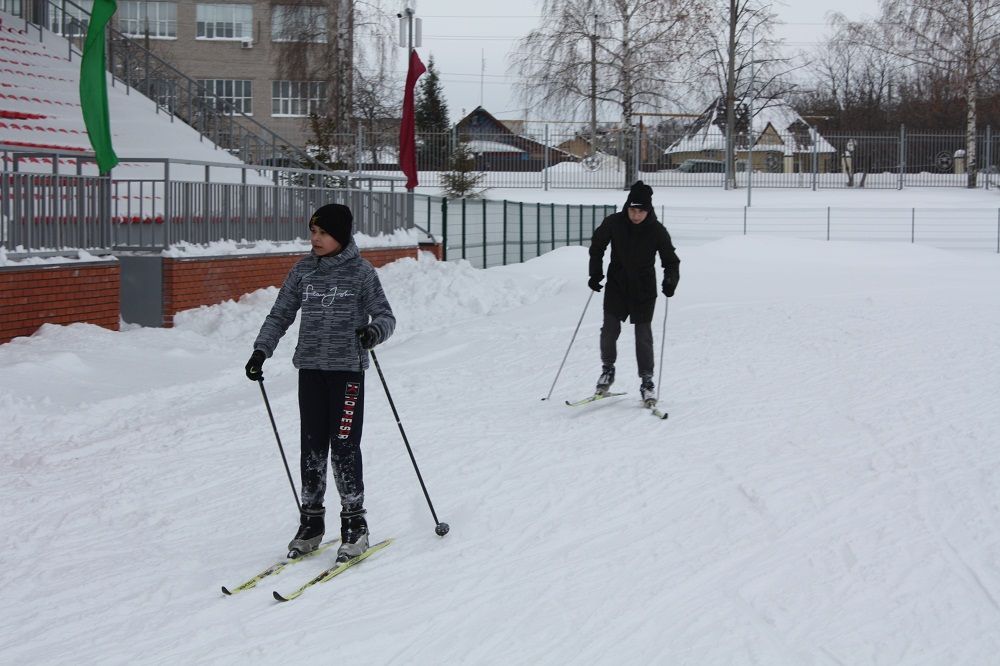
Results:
336 295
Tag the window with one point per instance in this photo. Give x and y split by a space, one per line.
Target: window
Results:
303 23
297 98
239 94
74 21
224 22
11 7
137 16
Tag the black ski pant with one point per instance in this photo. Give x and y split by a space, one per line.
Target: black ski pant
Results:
331 412
610 331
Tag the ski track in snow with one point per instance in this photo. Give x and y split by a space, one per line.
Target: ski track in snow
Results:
824 491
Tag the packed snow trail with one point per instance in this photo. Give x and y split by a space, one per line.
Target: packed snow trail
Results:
824 491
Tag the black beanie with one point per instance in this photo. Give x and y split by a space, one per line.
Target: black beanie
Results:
640 195
334 219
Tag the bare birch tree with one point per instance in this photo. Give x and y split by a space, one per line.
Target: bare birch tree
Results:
626 55
744 65
959 37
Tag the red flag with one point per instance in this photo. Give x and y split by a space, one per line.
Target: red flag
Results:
407 128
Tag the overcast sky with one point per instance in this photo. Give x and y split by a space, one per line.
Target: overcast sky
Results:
463 34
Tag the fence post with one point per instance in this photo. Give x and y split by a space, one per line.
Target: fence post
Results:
504 232
444 229
744 220
828 223
552 223
913 225
168 207
463 227
815 156
902 154
520 205
998 230
568 241
538 228
484 233
989 155
545 161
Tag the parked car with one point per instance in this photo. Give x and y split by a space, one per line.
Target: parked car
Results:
702 166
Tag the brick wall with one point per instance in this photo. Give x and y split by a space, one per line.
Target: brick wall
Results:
57 294
191 283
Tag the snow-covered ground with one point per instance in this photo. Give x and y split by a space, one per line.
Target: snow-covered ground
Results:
824 492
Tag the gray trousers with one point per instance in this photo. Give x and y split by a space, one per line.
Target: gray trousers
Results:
610 331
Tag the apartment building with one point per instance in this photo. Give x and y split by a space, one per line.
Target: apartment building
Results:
273 61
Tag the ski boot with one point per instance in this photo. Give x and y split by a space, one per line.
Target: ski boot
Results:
648 392
310 534
353 535
606 379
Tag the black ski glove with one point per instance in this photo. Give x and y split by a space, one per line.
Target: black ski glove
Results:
367 336
594 283
255 364
669 286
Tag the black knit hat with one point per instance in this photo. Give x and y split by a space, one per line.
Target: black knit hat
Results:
640 195
334 219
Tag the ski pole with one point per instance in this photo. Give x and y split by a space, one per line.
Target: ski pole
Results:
663 343
566 355
274 427
440 528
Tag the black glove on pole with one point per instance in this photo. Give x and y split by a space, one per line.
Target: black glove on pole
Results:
440 528
367 336
298 505
566 355
255 364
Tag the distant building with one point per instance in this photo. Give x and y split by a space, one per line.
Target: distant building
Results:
234 49
783 141
497 148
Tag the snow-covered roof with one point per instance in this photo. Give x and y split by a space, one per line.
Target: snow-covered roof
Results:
708 131
480 146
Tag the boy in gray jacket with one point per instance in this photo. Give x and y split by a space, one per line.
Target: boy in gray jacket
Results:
344 312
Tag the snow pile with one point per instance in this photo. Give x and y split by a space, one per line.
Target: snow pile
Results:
70 256
398 238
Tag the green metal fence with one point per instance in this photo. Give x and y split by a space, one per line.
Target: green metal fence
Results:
496 233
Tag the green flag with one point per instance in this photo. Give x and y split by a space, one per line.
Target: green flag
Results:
94 86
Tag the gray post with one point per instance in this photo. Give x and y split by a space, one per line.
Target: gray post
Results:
902 153
913 225
989 155
167 207
545 161
828 223
815 156
444 229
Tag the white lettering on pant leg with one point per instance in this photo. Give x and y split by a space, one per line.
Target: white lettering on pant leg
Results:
347 415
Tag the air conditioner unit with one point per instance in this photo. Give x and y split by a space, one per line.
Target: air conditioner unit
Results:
246 44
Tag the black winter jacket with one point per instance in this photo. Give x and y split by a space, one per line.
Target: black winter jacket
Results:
631 288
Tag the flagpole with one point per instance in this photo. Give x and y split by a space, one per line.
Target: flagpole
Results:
415 68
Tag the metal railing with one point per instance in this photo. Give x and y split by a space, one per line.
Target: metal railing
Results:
550 159
172 91
41 212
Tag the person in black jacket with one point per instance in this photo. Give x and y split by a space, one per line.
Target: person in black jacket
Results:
636 236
